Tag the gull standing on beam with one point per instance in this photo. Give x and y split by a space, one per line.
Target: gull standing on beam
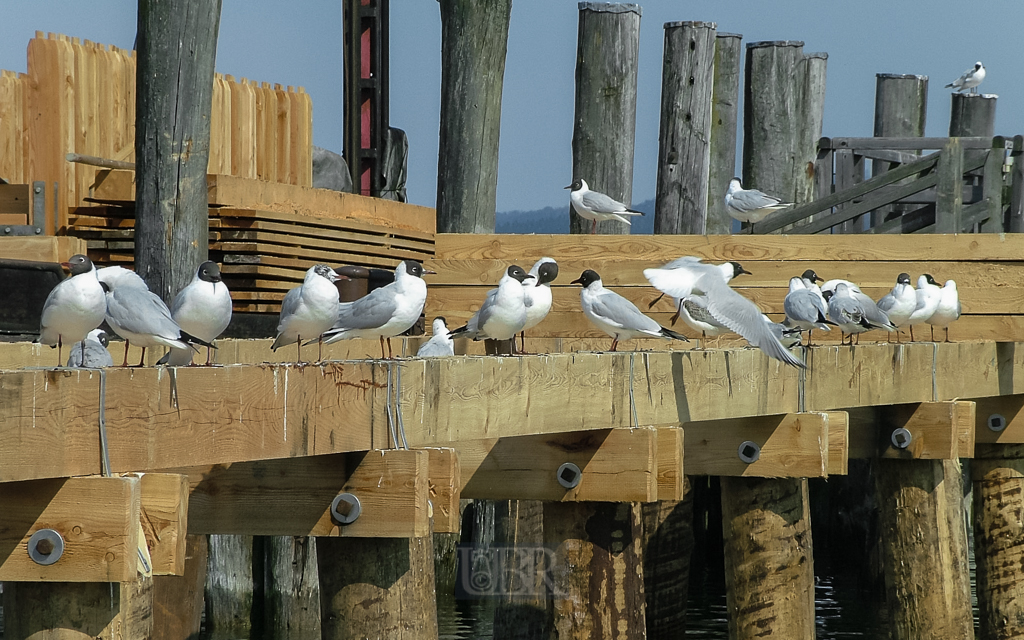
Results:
970 79
440 344
615 315
928 294
201 309
947 311
92 352
308 310
386 311
142 317
804 308
595 206
750 205
537 294
899 303
503 312
74 307
874 316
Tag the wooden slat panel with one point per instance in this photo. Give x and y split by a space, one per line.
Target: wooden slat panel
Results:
15 198
283 135
12 123
302 146
40 249
243 128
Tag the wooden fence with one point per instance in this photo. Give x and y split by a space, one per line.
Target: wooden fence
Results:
959 188
79 97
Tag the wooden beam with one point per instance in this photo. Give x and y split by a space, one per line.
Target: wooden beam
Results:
293 496
445 478
41 248
100 542
938 430
999 419
618 465
165 521
838 442
671 475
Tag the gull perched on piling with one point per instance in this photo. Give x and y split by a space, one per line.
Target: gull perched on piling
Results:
615 315
201 309
308 310
595 206
970 79
750 205
503 312
74 307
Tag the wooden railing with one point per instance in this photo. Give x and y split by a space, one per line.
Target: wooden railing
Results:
959 188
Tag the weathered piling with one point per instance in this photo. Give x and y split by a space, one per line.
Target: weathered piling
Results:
71 610
377 588
667 546
177 47
949 191
291 588
521 612
1015 221
924 548
178 600
769 566
605 115
229 587
474 39
812 74
973 114
684 150
725 104
998 474
901 109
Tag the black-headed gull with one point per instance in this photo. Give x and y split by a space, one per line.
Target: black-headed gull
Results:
750 205
899 303
503 312
91 353
947 311
596 206
615 315
74 307
141 317
970 79
537 294
805 309
308 310
202 309
928 294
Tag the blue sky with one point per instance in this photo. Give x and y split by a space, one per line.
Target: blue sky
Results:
298 42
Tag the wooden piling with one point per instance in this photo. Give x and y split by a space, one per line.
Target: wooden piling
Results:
769 565
291 588
521 612
178 600
973 114
901 109
377 588
229 587
924 548
598 581
949 192
474 39
684 150
605 114
724 110
812 73
177 47
71 610
1015 222
667 546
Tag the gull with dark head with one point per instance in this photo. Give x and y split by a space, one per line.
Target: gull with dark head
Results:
805 309
947 311
615 315
92 352
750 205
140 316
928 294
201 309
308 310
503 312
899 303
74 307
537 294
596 206
440 343
970 79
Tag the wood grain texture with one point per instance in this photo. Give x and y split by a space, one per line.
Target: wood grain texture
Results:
40 248
939 430
178 600
671 473
1004 411
165 521
445 480
724 112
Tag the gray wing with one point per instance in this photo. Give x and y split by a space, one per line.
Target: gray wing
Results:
438 346
695 307
872 312
685 261
290 302
616 310
96 355
752 200
373 310
843 310
803 305
887 302
142 312
601 203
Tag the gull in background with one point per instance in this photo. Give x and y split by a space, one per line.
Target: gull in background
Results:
386 311
595 206
440 343
947 311
615 315
201 309
970 79
750 205
928 294
899 303
804 308
848 312
308 310
537 294
91 353
503 312
140 316
120 277
74 307
872 314
789 337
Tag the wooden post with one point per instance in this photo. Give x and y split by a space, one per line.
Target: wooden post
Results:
998 474
973 114
1016 216
684 150
178 600
229 587
724 110
521 612
177 47
769 565
812 113
66 610
668 543
992 187
901 108
605 116
291 589
377 588
924 548
474 38
599 588
949 191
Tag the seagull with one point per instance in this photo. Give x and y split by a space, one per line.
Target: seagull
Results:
202 309
386 311
140 316
592 205
785 335
120 277
804 308
503 313
899 303
74 307
308 310
92 354
750 205
872 314
970 79
699 319
677 278
928 294
810 280
947 311
847 312
615 315
537 294
440 343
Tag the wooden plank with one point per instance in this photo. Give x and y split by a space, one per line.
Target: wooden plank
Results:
838 442
671 475
792 445
12 123
939 431
164 518
301 119
15 198
617 465
40 248
243 129
999 411
99 542
293 497
265 126
903 144
220 127
293 224
949 196
283 135
445 479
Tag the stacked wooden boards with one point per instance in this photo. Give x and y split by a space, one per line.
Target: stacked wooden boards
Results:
986 268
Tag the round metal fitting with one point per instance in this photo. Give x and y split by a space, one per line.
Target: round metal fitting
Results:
345 508
901 438
996 422
749 451
45 547
569 475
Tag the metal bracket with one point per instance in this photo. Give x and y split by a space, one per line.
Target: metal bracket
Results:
345 508
749 451
996 422
45 547
901 438
569 475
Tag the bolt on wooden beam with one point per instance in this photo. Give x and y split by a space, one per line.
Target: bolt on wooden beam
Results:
924 431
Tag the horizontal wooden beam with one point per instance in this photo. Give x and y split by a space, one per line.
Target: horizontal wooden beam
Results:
445 478
40 248
838 442
999 420
908 144
671 476
165 521
97 518
938 431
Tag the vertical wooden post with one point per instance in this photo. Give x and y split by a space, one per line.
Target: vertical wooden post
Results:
724 110
813 68
521 612
668 544
949 192
605 116
924 548
992 187
849 172
599 588
291 588
474 38
998 474
66 610
1015 223
684 150
769 565
178 600
901 108
229 587
177 47
973 114
377 588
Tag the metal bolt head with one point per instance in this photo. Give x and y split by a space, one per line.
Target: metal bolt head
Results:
45 547
569 475
749 451
345 508
996 422
901 438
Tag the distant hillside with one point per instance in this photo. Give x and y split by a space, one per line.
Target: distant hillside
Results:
556 220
